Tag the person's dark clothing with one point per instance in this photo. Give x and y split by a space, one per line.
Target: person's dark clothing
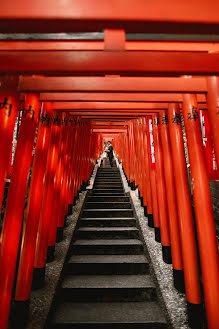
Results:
110 154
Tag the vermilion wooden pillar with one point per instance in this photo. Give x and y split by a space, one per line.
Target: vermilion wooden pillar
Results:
213 111
161 191
25 271
67 165
58 211
9 100
72 162
131 155
47 202
79 159
203 210
150 142
178 275
127 157
187 233
76 162
209 149
10 236
138 163
144 172
147 169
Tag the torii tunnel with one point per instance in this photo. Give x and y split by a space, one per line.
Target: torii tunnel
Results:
145 76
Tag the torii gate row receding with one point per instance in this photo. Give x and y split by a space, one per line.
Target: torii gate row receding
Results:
56 146
189 103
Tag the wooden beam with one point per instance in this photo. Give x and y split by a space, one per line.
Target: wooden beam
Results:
116 97
128 63
116 84
102 106
161 16
99 45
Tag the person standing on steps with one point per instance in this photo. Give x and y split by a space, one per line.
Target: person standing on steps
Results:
104 154
110 153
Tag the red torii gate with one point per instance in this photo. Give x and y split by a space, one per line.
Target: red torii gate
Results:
137 16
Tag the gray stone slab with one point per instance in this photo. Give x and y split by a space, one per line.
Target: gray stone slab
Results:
110 313
106 229
107 281
107 242
108 259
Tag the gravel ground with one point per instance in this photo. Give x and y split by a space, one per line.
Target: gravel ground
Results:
174 302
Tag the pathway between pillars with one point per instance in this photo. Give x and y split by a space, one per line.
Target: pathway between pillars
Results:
106 282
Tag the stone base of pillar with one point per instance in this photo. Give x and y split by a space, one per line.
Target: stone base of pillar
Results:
50 254
166 253
59 234
133 185
20 310
178 280
195 315
70 209
142 201
74 201
145 210
157 234
38 278
150 220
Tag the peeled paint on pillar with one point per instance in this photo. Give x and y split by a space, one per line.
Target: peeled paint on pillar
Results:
205 224
10 236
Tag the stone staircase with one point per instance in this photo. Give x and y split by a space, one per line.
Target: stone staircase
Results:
106 281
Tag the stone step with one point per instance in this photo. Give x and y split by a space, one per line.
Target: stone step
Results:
108 199
107 177
106 191
123 315
102 222
107 288
108 213
107 233
109 181
113 178
112 181
107 247
108 205
110 186
109 169
107 264
108 173
109 193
